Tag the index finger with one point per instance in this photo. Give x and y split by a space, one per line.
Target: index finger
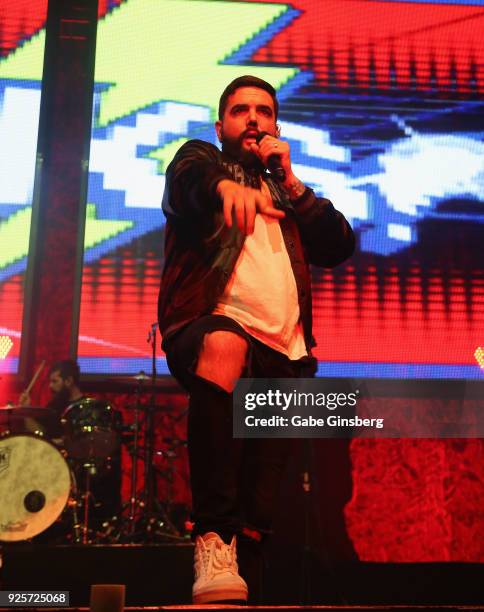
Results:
273 212
227 208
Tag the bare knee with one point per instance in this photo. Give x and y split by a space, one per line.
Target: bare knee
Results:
222 358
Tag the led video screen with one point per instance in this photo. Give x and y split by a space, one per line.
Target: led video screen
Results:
22 24
382 106
22 42
381 102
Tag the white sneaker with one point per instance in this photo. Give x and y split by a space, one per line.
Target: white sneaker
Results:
216 571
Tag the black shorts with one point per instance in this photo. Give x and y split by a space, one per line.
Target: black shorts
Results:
183 348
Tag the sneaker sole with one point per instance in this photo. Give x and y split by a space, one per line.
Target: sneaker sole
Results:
220 595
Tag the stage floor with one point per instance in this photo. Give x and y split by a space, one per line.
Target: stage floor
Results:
263 608
159 577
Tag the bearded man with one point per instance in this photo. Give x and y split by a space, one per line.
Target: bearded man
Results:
235 300
64 385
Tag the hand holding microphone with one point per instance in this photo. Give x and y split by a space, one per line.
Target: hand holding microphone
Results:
272 151
275 154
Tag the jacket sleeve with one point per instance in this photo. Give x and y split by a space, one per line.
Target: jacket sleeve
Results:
326 234
191 180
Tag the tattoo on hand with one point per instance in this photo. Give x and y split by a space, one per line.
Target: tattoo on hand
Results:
295 189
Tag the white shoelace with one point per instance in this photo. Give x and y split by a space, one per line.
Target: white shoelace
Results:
221 555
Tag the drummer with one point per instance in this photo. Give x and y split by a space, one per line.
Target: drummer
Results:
64 384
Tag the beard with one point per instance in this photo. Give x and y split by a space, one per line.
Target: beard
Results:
234 148
59 400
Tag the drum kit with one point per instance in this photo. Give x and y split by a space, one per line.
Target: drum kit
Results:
68 475
40 472
65 470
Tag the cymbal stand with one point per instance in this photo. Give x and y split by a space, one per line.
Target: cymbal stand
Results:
133 501
147 519
73 504
153 516
149 426
90 470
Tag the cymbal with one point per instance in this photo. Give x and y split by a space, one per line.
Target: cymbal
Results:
25 411
141 377
137 383
25 419
129 381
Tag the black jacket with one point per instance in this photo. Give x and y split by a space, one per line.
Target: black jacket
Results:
201 251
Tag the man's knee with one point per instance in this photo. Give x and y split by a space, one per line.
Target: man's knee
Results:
222 358
225 344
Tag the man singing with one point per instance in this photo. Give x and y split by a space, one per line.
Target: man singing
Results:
235 300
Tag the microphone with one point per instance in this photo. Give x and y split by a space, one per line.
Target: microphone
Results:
273 161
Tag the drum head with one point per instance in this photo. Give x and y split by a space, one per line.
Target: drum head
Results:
35 483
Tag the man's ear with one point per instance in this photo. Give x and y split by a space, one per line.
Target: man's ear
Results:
218 129
278 130
68 382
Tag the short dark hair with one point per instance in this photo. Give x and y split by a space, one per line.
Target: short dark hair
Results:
66 368
246 81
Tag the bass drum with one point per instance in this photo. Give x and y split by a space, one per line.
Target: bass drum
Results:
35 484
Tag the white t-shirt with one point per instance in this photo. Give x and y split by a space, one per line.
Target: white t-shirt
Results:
261 294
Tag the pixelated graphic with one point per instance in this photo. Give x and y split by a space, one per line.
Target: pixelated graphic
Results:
381 102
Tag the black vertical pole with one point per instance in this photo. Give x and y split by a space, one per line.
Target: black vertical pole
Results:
53 279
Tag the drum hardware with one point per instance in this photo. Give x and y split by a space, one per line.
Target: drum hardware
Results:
89 470
167 473
133 501
112 530
76 529
84 532
149 428
92 436
156 521
142 522
147 519
142 518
